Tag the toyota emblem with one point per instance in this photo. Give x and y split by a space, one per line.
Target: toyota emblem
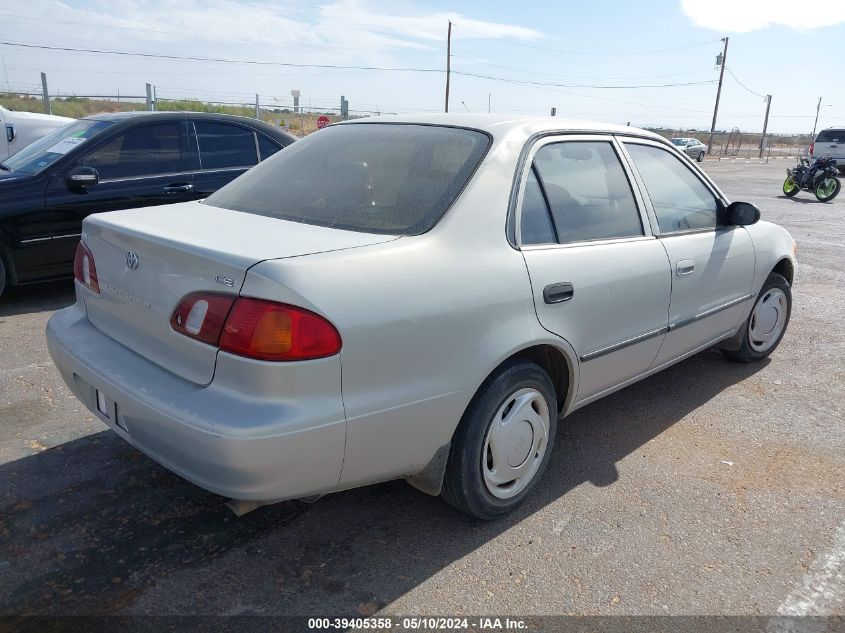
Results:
132 260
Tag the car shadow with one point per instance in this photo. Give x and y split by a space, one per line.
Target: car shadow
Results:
41 297
95 527
804 200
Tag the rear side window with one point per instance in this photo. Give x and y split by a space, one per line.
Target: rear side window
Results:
587 191
266 147
223 145
374 178
143 150
831 136
535 225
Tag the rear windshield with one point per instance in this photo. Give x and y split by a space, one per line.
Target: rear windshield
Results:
831 136
48 149
374 178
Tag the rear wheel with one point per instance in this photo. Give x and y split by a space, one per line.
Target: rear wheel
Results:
700 157
503 443
767 322
3 277
828 189
789 187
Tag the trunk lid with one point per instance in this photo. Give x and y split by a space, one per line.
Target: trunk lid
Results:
182 249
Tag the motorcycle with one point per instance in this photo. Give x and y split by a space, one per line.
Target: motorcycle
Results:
818 176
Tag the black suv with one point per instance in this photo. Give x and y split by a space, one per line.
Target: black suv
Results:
115 161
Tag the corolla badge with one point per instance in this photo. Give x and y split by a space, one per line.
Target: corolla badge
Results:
132 260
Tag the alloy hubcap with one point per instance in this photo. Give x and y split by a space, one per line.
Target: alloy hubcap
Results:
768 320
515 443
826 187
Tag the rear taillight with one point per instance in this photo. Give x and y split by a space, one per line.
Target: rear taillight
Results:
201 316
84 269
812 147
255 328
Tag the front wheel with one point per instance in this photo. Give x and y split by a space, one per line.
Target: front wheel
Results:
789 187
828 188
503 442
700 157
767 322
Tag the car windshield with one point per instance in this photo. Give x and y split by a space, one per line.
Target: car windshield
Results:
45 151
679 141
394 179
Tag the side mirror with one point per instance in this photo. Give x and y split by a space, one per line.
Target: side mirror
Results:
82 177
741 214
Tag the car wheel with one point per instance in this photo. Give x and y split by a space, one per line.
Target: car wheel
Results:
503 442
767 322
3 277
700 158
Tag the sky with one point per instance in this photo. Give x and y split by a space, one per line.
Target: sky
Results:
649 62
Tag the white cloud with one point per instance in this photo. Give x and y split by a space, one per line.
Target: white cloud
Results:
743 16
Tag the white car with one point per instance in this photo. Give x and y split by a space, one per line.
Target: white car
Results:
413 297
23 128
830 142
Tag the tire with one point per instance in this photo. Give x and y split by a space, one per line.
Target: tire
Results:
3 277
828 195
775 295
700 157
476 465
790 188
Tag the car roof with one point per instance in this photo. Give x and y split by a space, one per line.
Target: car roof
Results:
127 118
502 124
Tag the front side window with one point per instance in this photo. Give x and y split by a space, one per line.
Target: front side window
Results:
143 150
45 151
681 201
587 191
395 179
224 146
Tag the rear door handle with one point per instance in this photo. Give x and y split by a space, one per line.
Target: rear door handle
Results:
174 189
558 293
684 267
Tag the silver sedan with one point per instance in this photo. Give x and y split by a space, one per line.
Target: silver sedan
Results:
411 297
692 147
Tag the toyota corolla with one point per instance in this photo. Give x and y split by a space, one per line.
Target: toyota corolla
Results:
417 297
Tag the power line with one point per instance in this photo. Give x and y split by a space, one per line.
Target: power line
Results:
534 72
222 60
743 85
219 60
557 85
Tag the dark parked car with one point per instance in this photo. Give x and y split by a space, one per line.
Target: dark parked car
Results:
115 161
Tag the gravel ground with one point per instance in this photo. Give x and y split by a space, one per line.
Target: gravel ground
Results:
711 488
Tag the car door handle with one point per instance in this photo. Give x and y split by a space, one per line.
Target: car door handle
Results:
558 293
684 267
174 189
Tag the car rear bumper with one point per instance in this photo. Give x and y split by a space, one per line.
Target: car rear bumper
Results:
260 431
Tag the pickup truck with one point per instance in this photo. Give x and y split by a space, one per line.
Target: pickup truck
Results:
830 142
22 128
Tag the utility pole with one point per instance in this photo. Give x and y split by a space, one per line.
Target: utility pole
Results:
257 113
149 98
818 107
45 95
489 99
553 112
765 125
448 63
718 94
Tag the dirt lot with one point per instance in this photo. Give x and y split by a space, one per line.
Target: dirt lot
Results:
711 488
